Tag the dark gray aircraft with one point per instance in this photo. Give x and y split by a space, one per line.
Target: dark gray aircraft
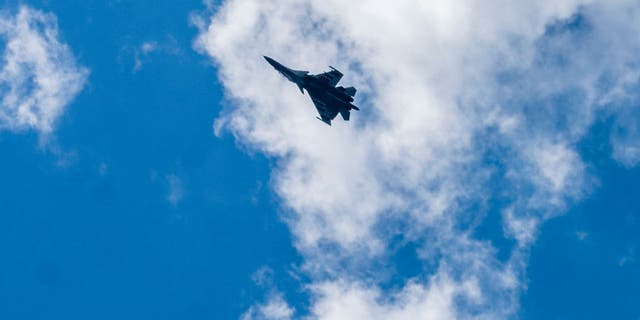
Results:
328 99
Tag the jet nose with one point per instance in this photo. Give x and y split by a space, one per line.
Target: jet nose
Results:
271 61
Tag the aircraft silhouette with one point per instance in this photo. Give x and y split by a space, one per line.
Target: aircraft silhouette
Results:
322 88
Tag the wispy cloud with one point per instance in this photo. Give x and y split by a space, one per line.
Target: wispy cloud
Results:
461 102
625 137
628 257
275 308
143 52
39 76
582 235
176 189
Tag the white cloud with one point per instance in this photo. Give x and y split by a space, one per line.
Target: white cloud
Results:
339 300
148 47
627 258
461 102
625 138
582 235
176 189
39 76
276 308
143 52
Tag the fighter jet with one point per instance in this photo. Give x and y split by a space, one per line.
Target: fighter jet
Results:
328 99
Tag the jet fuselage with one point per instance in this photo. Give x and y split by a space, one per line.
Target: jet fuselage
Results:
328 98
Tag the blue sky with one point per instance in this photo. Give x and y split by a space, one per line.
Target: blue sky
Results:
97 238
185 180
583 264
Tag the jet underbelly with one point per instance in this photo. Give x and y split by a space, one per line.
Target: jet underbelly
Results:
335 101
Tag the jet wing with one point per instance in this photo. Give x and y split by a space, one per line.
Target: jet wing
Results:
332 77
326 114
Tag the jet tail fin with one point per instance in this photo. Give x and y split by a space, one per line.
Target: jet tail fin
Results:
300 87
351 91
